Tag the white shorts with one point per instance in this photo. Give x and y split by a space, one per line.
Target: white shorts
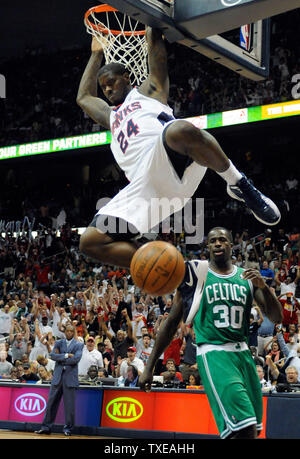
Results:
156 193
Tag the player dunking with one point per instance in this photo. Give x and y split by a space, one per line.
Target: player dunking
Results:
221 324
161 157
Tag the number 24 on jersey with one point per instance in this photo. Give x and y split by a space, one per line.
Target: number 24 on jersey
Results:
131 129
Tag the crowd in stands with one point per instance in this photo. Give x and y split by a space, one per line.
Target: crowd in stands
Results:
42 104
41 200
199 87
42 290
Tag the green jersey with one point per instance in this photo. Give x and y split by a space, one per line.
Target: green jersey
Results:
223 314
219 307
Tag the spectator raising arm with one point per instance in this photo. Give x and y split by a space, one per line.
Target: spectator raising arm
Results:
135 328
24 327
260 317
129 326
103 327
14 329
272 368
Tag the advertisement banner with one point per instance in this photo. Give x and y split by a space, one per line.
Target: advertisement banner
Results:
127 409
163 411
5 400
280 110
28 404
199 121
56 145
184 412
232 117
211 121
179 412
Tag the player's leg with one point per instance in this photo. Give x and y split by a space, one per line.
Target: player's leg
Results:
233 411
137 209
253 389
184 138
107 247
249 433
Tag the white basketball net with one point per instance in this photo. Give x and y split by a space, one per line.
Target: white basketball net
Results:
123 45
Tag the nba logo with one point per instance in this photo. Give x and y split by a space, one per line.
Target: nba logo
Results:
245 37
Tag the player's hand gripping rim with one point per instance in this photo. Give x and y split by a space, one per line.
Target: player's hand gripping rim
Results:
99 43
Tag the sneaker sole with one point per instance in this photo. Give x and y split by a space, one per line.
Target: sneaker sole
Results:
268 201
232 195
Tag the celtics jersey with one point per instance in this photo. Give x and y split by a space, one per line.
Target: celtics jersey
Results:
222 309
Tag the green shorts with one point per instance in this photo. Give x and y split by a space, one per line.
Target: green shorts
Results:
230 380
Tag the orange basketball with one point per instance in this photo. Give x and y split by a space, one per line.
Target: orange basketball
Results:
157 268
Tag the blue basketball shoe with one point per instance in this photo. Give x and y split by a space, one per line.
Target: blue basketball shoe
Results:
263 208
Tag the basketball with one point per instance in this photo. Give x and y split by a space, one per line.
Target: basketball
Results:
157 268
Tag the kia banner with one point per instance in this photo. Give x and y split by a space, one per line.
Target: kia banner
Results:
162 411
184 411
28 404
177 412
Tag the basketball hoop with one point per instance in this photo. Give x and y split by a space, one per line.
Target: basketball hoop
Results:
122 37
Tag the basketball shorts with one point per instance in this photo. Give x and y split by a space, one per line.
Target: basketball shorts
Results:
230 380
157 191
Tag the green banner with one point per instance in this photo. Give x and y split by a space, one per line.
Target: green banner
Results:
215 120
56 145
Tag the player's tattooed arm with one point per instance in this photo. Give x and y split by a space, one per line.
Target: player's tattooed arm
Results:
264 296
87 98
157 83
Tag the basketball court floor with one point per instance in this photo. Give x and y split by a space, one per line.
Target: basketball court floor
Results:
17 435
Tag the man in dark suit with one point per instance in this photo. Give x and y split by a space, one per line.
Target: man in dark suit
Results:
66 353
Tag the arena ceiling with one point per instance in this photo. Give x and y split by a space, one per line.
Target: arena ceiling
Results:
52 23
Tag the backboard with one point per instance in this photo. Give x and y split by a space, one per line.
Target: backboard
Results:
200 25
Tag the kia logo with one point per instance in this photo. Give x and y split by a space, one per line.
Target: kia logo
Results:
230 2
30 404
124 409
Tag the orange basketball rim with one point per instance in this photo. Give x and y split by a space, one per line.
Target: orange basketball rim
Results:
101 27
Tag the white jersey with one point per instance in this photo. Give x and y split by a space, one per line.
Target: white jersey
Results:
135 126
155 190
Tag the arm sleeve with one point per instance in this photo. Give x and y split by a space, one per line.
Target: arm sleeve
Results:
77 356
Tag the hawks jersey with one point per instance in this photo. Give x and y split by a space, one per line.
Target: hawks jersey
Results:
135 126
223 309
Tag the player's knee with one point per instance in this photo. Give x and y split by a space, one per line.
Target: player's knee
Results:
182 135
83 243
89 239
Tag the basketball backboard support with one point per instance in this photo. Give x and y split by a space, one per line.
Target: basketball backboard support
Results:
252 64
198 24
